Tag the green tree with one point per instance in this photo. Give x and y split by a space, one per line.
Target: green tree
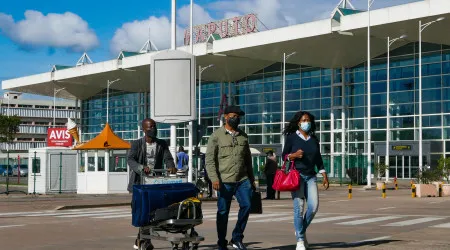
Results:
380 169
444 167
9 127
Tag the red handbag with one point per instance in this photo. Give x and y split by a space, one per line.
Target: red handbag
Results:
286 181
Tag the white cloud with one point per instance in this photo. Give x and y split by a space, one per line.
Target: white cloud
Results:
66 30
201 16
132 36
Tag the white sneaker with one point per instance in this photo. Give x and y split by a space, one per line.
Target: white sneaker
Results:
300 245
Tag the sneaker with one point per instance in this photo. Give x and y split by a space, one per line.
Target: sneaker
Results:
238 245
300 245
136 244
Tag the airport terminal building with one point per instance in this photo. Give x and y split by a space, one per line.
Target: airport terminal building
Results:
327 76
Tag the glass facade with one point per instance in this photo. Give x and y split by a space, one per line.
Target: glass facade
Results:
337 97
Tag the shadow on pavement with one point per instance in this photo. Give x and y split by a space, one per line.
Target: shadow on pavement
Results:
328 245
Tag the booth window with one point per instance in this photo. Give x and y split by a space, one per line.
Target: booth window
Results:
36 165
91 164
101 164
118 163
81 166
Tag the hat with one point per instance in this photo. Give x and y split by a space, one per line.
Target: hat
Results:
233 109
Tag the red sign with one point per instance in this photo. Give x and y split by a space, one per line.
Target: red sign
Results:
59 137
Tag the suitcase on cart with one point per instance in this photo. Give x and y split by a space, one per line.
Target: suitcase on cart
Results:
148 198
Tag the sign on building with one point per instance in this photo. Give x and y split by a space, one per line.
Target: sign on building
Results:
59 137
231 27
172 87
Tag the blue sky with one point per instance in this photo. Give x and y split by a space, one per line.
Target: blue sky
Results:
34 35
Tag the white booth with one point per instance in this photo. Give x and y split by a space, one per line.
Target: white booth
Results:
52 170
102 167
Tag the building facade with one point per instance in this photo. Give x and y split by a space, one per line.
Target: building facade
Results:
36 117
336 97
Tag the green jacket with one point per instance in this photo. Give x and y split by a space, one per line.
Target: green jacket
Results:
226 161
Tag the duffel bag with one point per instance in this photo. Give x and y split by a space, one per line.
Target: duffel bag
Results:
186 210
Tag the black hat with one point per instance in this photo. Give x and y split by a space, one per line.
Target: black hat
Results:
234 109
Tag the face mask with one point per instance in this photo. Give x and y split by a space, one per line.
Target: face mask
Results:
305 126
151 133
234 122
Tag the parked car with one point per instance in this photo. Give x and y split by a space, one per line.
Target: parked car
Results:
23 170
3 170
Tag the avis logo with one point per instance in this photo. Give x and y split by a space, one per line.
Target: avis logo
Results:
59 134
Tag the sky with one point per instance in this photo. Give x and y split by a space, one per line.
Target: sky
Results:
34 35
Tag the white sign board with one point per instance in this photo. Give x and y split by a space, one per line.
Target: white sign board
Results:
172 87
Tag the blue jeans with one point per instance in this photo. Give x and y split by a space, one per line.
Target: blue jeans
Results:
308 191
243 193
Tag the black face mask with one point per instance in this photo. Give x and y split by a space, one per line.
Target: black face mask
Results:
234 122
151 133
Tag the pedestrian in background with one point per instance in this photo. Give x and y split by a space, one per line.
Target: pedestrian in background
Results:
229 166
269 170
302 147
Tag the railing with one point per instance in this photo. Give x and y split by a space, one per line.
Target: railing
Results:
27 112
22 145
31 129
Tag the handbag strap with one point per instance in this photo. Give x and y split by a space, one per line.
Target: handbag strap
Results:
292 166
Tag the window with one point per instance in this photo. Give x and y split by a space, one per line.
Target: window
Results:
431 121
36 165
431 134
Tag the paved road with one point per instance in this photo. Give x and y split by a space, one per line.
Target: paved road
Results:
365 222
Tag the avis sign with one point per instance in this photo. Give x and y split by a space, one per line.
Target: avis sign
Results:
59 137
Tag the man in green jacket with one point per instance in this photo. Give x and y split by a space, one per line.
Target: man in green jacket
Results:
229 166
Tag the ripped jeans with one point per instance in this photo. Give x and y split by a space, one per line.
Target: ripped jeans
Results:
308 190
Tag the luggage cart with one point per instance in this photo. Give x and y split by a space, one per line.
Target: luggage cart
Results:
179 232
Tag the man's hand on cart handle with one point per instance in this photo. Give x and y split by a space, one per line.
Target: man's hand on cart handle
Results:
146 170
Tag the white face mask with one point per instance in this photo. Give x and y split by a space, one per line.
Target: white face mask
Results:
305 126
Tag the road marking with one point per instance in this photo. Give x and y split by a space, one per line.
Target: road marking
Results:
214 215
384 208
113 216
7 226
335 218
338 201
283 218
90 214
446 225
261 216
70 213
412 222
365 221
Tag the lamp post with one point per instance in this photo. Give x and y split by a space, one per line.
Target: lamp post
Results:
388 113
108 83
369 132
283 118
200 71
421 28
55 91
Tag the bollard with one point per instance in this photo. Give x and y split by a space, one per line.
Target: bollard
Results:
413 191
412 183
384 190
396 185
440 189
349 191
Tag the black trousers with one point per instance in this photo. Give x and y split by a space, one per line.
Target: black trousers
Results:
270 190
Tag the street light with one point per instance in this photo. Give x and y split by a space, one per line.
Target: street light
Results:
369 135
388 132
421 28
200 70
283 119
55 91
107 97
